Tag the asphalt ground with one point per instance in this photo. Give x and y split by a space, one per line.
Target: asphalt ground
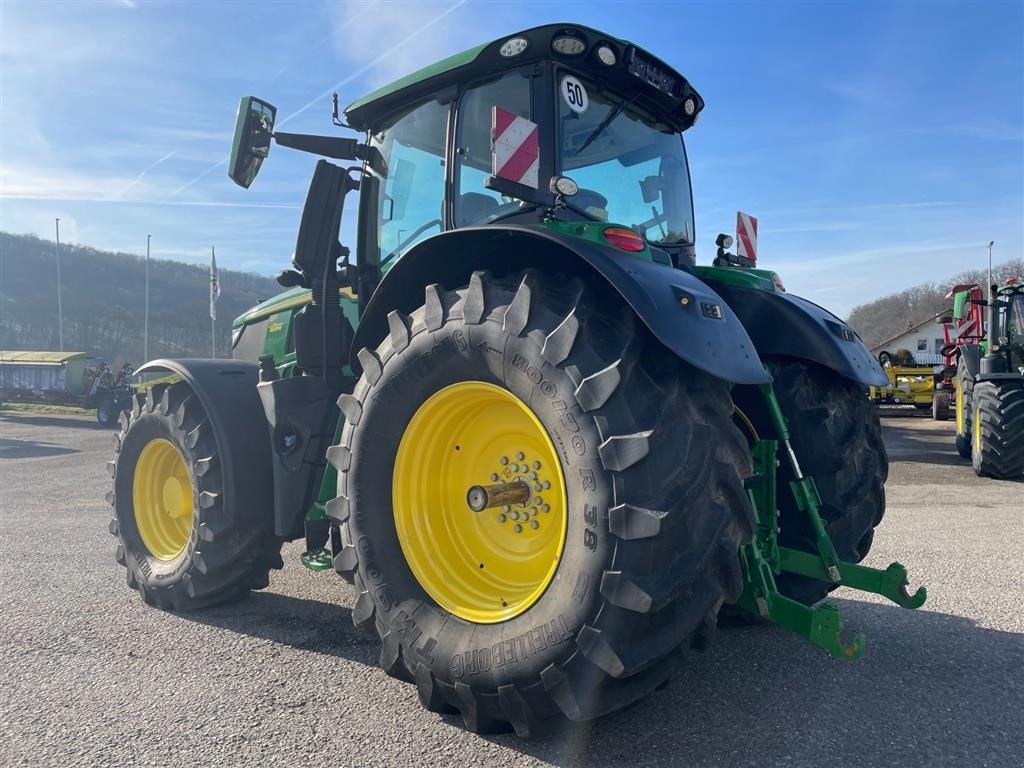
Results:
89 675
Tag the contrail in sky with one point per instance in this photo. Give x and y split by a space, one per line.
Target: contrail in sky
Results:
146 170
337 86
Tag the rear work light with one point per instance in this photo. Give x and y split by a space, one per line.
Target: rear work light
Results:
624 239
778 283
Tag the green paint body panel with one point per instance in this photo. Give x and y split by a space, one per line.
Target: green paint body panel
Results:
738 277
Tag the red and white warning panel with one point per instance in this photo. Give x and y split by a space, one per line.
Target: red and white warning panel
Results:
746 236
515 145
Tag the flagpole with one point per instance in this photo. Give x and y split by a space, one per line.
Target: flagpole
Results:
145 321
60 303
213 299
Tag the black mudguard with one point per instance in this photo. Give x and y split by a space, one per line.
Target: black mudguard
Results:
970 358
782 324
302 415
227 391
681 311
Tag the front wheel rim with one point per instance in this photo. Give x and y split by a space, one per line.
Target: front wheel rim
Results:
162 499
487 566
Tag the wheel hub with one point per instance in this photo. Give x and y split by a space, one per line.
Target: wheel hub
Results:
479 502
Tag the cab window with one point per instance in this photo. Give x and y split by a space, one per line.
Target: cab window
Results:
475 204
411 201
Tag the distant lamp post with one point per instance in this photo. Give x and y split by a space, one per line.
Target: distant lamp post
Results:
990 244
60 306
145 316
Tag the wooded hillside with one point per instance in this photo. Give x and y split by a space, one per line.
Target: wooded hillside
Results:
103 301
889 316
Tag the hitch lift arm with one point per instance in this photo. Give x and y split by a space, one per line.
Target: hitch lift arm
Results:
764 558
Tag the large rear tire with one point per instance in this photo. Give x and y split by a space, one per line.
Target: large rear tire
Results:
964 411
998 424
837 438
654 510
185 538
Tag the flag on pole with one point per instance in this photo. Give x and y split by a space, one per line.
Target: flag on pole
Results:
214 284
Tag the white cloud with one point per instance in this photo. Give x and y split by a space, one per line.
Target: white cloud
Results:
42 182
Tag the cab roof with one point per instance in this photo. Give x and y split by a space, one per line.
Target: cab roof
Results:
633 67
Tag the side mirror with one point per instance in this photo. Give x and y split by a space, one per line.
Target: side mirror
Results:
254 127
650 188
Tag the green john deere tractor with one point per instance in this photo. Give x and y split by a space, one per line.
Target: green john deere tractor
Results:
543 445
990 378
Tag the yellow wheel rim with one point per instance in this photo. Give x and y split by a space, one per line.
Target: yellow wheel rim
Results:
162 497
491 565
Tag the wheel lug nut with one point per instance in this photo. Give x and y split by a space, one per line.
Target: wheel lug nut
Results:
503 460
547 483
533 511
518 528
533 475
494 477
536 465
537 487
502 518
515 515
520 455
545 508
534 524
506 508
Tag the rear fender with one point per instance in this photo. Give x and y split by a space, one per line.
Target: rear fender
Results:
781 324
682 312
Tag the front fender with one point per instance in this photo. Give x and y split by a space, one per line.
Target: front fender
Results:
786 325
682 312
226 389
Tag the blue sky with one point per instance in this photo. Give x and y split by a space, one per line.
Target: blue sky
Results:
880 145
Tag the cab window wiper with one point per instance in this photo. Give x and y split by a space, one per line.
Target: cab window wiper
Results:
604 124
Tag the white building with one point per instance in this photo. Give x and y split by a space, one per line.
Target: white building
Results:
924 341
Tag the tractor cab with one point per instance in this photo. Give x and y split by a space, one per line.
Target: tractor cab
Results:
1006 329
483 137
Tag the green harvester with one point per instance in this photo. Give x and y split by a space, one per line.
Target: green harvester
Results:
545 447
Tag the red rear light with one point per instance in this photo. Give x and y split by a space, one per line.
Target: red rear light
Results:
624 239
778 283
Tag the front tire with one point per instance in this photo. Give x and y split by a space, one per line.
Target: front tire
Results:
185 539
655 509
837 437
964 411
998 421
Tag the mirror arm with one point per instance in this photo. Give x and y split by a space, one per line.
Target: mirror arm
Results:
327 146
